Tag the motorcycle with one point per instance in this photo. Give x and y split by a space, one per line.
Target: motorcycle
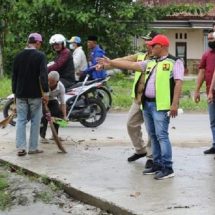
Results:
103 91
81 107
89 111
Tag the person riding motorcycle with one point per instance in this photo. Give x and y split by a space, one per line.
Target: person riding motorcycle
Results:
79 57
63 62
95 52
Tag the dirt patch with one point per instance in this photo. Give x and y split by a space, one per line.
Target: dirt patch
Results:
28 195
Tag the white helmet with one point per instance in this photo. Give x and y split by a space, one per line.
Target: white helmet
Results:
57 38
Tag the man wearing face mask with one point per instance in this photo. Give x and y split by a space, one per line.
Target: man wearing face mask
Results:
79 57
206 70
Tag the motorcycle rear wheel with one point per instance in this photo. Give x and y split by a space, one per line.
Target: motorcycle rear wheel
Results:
8 109
104 94
98 110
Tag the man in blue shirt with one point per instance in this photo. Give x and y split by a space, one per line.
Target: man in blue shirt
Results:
95 52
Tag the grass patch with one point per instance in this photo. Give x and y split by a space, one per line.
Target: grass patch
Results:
189 86
5 197
190 105
187 100
45 197
5 87
122 86
121 95
3 182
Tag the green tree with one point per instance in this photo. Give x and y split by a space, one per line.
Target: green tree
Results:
4 9
115 22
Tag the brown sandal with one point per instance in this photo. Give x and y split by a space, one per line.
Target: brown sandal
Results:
21 153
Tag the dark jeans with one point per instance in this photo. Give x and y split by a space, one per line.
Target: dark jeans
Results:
211 110
83 76
67 83
157 124
54 108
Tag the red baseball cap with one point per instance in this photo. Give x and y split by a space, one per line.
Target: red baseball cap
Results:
159 39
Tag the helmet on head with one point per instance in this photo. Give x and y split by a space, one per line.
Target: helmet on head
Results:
57 38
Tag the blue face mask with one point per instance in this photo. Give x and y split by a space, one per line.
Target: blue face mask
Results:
71 46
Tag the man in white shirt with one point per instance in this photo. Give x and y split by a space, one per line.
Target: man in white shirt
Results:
56 104
79 57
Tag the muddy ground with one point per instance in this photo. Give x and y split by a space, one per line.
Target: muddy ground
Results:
29 195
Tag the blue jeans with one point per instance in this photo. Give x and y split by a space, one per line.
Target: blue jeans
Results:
211 111
33 108
157 123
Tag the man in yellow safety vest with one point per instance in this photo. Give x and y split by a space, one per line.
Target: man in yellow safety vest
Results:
158 89
135 115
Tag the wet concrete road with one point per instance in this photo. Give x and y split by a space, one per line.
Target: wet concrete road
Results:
97 167
186 130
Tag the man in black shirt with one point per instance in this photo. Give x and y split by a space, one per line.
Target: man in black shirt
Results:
29 79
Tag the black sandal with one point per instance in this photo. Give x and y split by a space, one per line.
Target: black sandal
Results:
21 153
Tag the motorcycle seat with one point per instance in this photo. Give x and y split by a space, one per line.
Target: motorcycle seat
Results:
79 84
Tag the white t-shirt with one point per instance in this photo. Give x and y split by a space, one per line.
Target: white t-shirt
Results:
80 61
58 93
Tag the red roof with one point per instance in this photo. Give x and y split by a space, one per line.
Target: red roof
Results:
165 2
185 16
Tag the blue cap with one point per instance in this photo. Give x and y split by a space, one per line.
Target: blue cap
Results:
75 39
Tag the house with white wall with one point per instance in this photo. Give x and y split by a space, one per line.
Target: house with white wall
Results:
187 32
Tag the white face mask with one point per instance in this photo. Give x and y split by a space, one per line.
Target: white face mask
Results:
71 46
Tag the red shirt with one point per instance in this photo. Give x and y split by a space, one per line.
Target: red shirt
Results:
61 59
208 63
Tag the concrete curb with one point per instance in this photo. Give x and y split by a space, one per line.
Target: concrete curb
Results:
75 193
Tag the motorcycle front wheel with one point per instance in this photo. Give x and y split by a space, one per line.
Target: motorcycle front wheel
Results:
97 113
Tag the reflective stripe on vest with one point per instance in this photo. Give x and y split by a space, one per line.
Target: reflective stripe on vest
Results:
163 81
140 57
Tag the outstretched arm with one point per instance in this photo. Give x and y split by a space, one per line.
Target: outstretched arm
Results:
132 58
120 64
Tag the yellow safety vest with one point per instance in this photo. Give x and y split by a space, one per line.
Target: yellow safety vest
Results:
164 82
140 57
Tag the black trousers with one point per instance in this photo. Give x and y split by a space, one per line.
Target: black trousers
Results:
67 83
54 108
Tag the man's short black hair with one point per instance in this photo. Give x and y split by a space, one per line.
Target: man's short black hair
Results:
92 38
150 35
31 40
